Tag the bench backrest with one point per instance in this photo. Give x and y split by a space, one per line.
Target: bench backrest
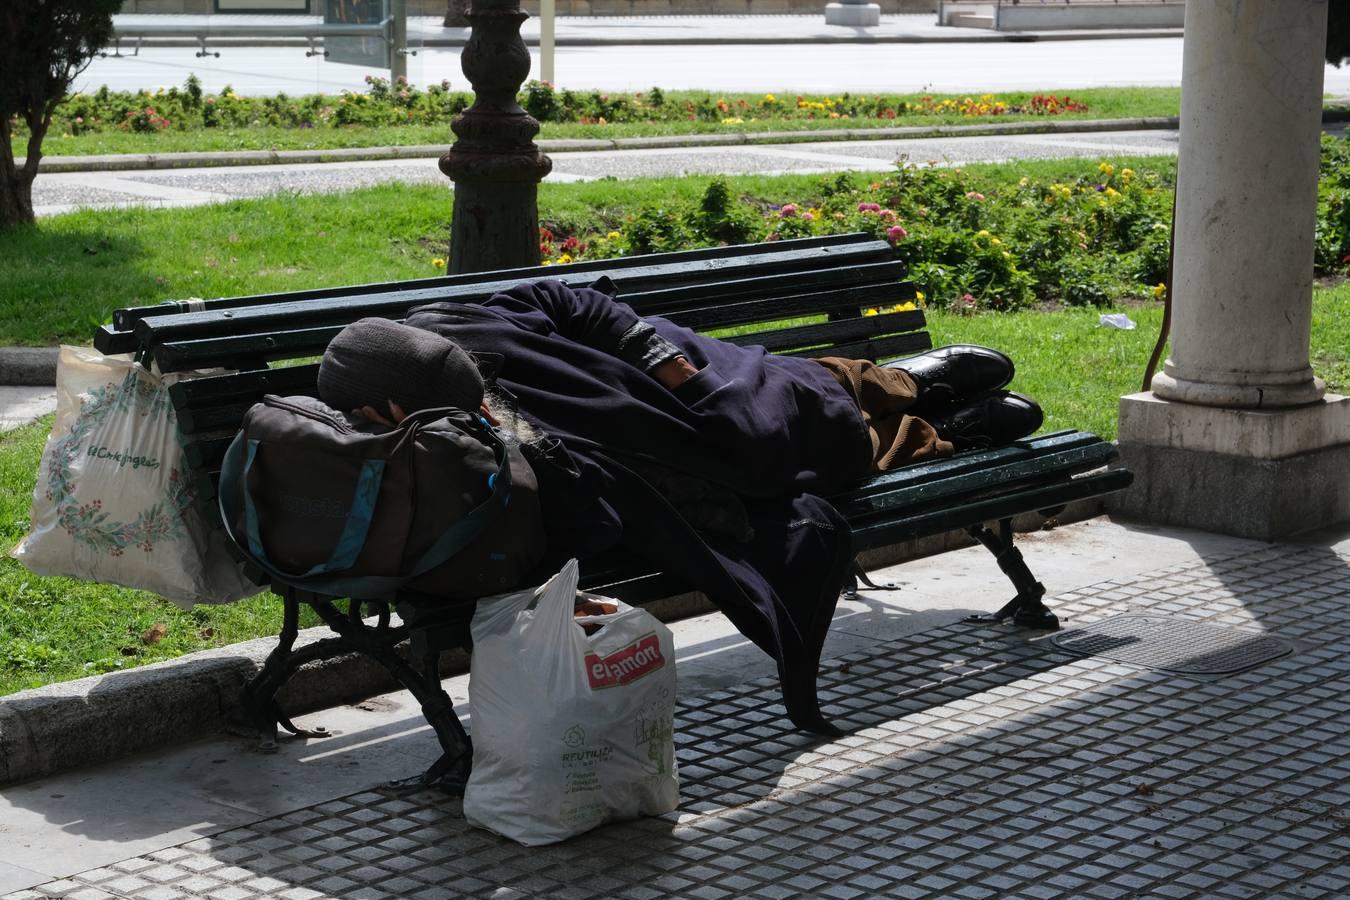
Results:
813 297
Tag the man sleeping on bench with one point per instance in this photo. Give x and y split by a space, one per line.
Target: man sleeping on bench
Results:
707 459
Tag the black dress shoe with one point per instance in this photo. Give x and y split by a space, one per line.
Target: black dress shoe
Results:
992 421
949 376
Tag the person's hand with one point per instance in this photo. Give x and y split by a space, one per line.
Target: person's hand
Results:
674 372
396 414
592 608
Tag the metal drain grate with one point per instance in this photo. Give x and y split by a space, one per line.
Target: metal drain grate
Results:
1173 645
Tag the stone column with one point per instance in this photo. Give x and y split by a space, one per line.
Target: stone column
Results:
495 164
1251 117
1236 435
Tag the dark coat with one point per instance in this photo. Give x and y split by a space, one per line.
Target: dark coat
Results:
778 431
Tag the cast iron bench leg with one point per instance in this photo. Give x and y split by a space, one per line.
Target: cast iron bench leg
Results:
260 691
1026 609
450 772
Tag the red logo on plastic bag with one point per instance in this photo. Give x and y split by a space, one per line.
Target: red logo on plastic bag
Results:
626 665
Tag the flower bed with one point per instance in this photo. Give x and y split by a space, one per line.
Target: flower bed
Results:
973 240
386 103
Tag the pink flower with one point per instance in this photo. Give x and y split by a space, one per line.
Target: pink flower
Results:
968 299
869 207
888 215
788 211
896 233
808 216
974 195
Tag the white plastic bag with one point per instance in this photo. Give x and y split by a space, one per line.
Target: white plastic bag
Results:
113 501
569 730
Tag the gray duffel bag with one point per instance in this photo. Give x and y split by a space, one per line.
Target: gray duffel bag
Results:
331 503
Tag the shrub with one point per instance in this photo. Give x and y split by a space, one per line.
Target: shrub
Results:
979 242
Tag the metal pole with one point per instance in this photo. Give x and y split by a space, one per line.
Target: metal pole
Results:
495 164
398 49
546 8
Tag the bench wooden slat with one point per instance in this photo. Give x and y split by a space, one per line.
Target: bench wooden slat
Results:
183 326
830 334
213 389
873 349
938 521
255 349
907 476
838 303
916 498
876 286
124 319
886 275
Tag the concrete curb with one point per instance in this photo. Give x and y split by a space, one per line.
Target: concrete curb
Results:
104 717
126 162
28 366
71 724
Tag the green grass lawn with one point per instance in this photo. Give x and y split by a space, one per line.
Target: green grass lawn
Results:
54 629
1102 103
61 279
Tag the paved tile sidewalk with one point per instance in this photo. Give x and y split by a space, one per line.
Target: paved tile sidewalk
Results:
979 764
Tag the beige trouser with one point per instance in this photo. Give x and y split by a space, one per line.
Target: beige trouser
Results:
883 395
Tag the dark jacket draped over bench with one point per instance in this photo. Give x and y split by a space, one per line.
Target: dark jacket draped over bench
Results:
779 431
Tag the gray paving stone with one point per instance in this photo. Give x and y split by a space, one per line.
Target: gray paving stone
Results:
974 770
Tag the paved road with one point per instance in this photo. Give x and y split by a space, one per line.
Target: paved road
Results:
61 192
935 58
824 68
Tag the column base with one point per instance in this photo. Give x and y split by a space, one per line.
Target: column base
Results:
855 14
1264 474
1245 396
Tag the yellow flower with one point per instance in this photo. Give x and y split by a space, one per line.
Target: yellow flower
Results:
995 241
871 311
918 297
565 259
1159 291
1112 192
904 307
983 232
1107 169
438 263
732 120
1127 173
1023 181
613 235
547 262
1007 255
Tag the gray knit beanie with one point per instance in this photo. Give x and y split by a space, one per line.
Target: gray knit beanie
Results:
374 361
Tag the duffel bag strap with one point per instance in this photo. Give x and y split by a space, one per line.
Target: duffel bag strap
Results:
239 459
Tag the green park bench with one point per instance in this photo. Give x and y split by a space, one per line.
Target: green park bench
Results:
762 291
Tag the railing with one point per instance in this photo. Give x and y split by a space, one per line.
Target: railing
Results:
393 31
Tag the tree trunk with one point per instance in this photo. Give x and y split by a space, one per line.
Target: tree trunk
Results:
16 184
456 14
